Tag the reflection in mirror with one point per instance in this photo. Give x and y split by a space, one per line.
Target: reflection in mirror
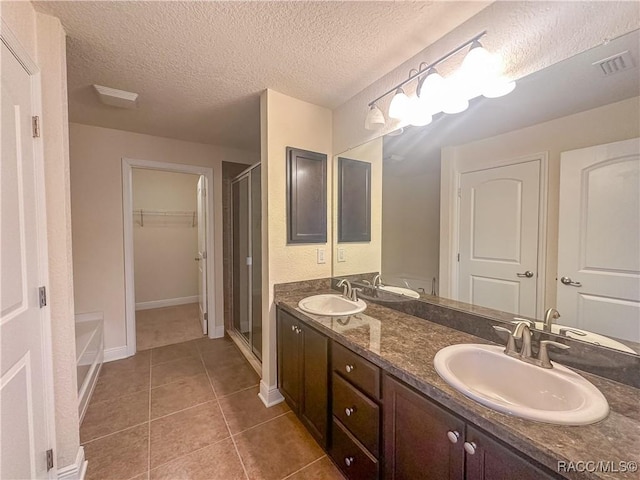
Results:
354 200
521 204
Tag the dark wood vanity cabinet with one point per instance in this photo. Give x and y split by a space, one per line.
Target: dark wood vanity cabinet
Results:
356 413
303 373
423 440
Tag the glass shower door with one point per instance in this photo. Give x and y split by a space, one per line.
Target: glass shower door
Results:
241 257
256 264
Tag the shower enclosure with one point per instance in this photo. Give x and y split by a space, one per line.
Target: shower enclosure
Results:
246 310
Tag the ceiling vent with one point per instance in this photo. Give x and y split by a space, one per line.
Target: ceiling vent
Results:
615 63
116 98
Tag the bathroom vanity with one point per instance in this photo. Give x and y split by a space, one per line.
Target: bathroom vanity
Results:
366 388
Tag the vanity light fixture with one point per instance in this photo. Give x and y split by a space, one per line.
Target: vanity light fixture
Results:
375 118
479 74
400 105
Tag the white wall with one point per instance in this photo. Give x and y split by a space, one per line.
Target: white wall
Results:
529 35
286 122
44 39
164 247
96 199
361 257
610 123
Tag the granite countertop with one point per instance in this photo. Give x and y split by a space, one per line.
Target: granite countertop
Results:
405 346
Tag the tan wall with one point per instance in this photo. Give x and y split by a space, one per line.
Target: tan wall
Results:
361 257
164 247
581 130
286 121
44 39
528 35
96 197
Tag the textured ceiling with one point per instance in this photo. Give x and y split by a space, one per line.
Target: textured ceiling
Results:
199 67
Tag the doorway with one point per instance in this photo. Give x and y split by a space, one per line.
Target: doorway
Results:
169 291
168 240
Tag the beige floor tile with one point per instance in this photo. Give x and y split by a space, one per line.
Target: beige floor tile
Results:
112 383
119 456
186 431
103 418
222 356
290 447
176 370
216 462
233 378
323 469
244 409
205 343
142 476
165 326
174 352
181 394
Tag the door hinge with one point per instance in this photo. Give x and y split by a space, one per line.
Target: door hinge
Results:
458 257
35 123
49 459
204 255
206 315
459 192
42 296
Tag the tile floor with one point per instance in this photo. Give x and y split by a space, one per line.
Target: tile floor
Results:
191 411
158 327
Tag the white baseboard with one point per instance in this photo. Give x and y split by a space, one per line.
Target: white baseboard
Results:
88 317
115 353
75 471
169 302
217 332
270 396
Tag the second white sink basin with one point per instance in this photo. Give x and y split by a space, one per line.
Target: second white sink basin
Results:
487 375
331 305
407 292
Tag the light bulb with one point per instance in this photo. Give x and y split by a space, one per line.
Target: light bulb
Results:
455 99
375 118
500 87
478 61
400 104
431 91
419 113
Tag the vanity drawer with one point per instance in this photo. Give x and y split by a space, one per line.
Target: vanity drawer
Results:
352 458
358 413
360 372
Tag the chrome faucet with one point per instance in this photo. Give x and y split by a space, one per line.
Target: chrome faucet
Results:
523 332
549 316
377 281
347 291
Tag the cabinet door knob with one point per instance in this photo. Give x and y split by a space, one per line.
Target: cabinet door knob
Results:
453 436
470 447
293 328
349 410
349 461
349 368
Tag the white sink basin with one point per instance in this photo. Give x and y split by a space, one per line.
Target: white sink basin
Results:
331 304
407 292
487 375
588 337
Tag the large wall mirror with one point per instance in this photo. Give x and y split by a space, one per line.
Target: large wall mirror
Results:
520 204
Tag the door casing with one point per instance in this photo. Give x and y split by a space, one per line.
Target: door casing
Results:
127 213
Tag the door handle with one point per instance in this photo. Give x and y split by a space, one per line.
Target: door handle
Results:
197 259
527 274
568 281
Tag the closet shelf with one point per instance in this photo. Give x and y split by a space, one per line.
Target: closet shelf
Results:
183 217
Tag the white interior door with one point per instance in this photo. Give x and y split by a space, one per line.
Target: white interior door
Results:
25 394
202 252
599 239
498 237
